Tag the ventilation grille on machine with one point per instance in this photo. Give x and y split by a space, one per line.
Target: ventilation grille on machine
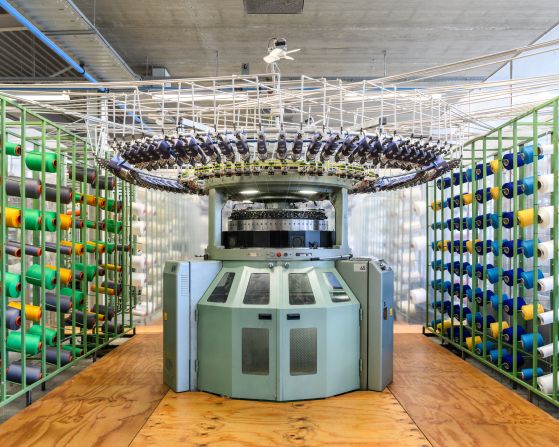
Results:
256 351
274 6
302 351
184 286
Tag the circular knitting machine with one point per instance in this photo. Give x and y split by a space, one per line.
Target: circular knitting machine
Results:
282 318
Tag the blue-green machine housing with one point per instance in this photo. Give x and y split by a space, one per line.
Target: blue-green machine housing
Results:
299 320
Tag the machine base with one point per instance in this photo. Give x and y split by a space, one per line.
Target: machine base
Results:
279 331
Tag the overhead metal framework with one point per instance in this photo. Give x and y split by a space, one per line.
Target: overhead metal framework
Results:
251 103
106 113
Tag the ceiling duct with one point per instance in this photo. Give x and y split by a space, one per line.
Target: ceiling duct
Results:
274 6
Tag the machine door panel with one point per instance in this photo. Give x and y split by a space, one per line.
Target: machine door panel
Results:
301 337
255 338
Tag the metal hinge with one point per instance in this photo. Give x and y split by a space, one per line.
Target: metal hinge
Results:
360 314
196 314
196 365
360 365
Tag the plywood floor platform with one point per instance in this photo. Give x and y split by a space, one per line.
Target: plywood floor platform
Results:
355 419
456 404
104 405
436 399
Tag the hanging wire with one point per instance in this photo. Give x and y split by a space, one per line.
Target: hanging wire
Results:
258 103
280 99
395 109
162 109
215 105
302 99
323 105
178 121
381 108
341 105
193 109
124 115
234 105
134 112
363 106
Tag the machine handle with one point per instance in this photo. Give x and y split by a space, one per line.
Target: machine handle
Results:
264 316
293 316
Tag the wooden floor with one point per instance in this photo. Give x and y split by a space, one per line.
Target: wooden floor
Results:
436 399
455 404
355 419
104 405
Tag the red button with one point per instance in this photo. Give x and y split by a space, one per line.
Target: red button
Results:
278 254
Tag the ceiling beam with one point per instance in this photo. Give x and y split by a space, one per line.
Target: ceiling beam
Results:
9 29
71 32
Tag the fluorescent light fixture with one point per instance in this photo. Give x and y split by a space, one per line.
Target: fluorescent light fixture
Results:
249 192
308 192
44 97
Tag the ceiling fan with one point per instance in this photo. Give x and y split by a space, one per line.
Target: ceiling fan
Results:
277 50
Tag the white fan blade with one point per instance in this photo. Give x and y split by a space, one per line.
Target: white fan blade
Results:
288 58
270 59
293 51
276 52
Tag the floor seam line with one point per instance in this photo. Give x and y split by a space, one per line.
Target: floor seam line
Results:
149 416
410 416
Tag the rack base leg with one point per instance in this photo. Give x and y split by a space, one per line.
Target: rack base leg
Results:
28 398
44 386
130 334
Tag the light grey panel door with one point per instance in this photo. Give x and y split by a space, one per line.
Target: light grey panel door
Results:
255 338
302 350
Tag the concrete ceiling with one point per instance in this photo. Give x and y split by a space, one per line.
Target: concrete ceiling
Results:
337 38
